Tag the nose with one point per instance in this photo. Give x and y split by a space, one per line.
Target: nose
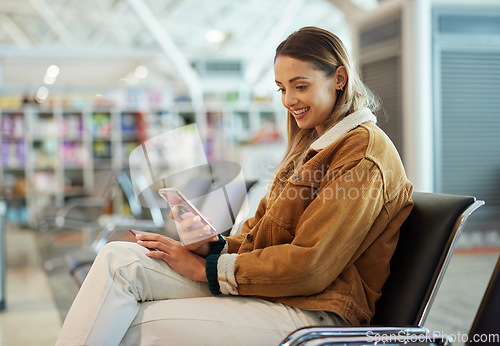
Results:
289 99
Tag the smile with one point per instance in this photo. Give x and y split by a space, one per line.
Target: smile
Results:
300 113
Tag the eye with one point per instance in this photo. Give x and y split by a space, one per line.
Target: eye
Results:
281 90
301 87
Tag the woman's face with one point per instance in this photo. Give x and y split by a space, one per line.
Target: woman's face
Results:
309 94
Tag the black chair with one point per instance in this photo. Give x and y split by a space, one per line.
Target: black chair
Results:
485 329
146 219
80 212
427 240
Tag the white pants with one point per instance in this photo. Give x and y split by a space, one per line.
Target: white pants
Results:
131 299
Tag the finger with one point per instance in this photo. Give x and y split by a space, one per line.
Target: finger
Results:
174 212
147 244
214 238
186 215
152 244
158 254
190 223
148 236
179 216
160 242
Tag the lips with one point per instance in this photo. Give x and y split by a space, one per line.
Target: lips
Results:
300 113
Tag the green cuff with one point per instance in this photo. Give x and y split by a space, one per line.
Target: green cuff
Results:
212 277
217 246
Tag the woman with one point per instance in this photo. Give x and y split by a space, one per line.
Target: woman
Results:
316 252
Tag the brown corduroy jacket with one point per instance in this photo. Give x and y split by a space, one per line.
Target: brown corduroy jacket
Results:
323 238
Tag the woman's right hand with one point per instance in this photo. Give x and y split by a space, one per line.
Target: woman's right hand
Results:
177 256
188 223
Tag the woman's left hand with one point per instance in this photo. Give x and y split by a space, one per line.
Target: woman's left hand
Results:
177 256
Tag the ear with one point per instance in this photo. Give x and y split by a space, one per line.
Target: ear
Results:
340 77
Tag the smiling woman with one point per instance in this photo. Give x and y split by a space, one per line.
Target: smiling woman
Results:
317 54
316 252
307 93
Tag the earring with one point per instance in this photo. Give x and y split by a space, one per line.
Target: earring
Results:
341 88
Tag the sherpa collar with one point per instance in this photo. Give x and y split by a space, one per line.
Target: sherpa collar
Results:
347 124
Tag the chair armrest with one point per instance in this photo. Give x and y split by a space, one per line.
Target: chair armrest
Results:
85 204
120 224
302 335
382 339
81 202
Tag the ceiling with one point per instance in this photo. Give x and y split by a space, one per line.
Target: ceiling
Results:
100 43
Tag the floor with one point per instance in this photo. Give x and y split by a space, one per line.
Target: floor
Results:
37 297
31 316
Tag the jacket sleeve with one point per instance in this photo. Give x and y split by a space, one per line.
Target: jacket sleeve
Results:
328 234
227 245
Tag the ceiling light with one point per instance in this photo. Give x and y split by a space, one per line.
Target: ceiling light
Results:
42 94
141 72
215 36
51 74
52 71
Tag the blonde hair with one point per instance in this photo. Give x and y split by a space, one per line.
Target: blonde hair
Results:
326 52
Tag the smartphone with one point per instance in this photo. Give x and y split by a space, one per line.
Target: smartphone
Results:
175 198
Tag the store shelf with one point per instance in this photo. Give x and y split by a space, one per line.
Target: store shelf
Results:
13 164
54 153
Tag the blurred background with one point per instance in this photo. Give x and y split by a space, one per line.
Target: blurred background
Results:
84 83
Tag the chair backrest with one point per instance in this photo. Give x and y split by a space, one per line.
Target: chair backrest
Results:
426 243
103 182
485 329
149 199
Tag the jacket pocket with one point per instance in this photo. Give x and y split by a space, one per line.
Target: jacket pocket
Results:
280 233
289 206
